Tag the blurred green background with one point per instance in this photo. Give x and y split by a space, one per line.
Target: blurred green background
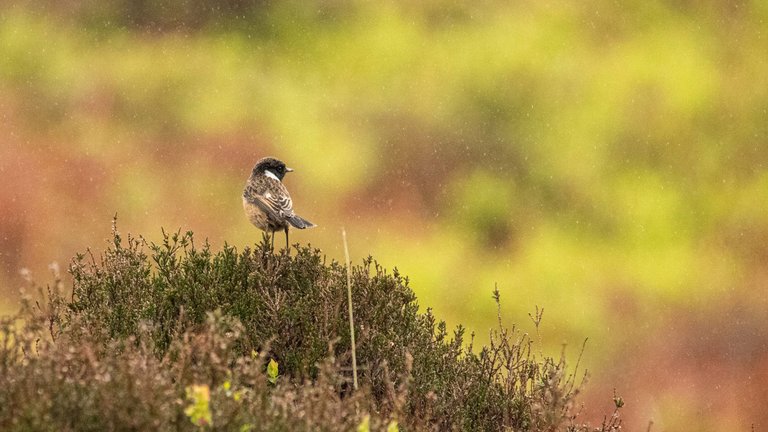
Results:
607 161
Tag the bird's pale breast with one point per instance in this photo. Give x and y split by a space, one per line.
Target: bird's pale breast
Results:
259 219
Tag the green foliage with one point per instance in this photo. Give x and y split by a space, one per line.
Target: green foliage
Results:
272 371
199 409
142 331
365 424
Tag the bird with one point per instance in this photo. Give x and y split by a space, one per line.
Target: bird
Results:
266 200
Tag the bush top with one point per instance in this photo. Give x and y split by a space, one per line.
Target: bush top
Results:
251 337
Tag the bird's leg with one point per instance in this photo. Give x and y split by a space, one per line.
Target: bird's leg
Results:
287 248
273 241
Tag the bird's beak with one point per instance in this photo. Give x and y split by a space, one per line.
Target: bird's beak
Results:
288 169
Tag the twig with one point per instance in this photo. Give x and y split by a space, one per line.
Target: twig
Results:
349 302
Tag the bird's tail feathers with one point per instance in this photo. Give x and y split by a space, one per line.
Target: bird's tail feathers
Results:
300 222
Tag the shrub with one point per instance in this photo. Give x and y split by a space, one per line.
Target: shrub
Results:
172 336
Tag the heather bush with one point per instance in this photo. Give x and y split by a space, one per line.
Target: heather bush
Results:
172 336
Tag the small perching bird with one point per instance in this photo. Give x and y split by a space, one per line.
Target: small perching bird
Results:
266 200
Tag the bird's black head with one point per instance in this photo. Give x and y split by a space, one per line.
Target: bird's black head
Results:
270 165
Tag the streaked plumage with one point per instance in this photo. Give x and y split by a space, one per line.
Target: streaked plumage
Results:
267 202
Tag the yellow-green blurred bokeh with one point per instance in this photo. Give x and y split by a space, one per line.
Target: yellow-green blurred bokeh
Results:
605 161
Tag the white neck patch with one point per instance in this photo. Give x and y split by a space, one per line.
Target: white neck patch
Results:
270 174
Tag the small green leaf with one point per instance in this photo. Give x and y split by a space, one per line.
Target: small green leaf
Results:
365 424
272 371
237 395
199 409
619 401
392 426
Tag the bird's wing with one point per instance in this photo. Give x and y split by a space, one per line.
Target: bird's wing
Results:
273 200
